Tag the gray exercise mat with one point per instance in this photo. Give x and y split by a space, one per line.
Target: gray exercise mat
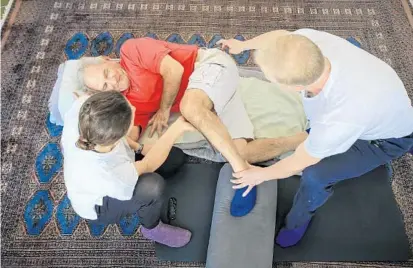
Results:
193 187
360 222
242 242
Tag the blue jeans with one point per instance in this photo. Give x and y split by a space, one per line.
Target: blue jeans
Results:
317 181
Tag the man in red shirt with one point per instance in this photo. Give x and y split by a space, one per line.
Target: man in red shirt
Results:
158 78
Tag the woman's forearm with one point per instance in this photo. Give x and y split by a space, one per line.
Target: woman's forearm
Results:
157 155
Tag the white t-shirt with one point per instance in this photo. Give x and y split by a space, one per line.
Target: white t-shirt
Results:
89 176
363 99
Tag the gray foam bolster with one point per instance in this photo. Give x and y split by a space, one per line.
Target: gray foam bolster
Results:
244 242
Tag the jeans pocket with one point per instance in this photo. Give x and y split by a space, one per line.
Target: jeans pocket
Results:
394 147
377 142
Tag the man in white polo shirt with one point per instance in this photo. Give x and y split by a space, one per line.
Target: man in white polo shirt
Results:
358 109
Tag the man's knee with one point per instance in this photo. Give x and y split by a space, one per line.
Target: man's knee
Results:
175 160
150 186
312 177
194 102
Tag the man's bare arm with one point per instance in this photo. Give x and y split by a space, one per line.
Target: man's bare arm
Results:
260 150
171 71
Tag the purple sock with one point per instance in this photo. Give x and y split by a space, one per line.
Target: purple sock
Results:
290 237
168 235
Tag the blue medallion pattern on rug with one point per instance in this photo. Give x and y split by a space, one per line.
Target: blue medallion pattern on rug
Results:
102 44
52 129
243 57
152 35
38 212
122 40
76 46
48 162
198 40
175 38
129 224
67 219
96 229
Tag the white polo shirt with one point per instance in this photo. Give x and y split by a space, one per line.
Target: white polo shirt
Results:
89 176
363 99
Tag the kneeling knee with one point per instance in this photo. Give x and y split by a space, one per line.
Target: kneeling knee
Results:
313 177
152 185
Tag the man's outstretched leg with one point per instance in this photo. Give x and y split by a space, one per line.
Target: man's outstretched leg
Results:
211 87
265 149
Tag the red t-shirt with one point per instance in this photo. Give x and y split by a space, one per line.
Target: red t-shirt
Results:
141 59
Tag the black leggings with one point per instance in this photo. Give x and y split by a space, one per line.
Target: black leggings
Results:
147 198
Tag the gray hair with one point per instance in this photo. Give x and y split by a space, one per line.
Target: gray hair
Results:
86 62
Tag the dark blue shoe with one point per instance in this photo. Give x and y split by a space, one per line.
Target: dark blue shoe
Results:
241 206
290 237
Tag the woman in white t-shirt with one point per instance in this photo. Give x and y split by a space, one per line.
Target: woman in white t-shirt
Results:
104 183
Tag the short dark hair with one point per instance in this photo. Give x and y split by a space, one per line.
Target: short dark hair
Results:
104 118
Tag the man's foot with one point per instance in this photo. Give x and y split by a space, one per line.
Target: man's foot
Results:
290 237
241 206
168 235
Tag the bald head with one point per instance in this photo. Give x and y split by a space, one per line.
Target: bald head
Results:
105 76
291 60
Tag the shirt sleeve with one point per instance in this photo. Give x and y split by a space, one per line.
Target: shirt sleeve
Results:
142 121
146 53
327 139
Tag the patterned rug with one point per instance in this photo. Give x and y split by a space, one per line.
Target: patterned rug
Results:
38 225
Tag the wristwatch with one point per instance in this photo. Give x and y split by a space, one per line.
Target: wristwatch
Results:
139 149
